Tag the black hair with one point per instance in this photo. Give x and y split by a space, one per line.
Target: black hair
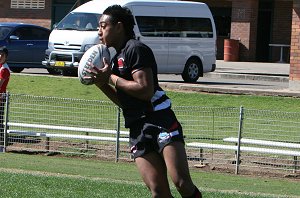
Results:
4 49
123 15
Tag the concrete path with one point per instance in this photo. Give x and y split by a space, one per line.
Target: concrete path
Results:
253 78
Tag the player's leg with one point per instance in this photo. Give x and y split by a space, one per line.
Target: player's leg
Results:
154 173
1 122
177 165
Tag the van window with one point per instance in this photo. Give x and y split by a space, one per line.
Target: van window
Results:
150 26
79 21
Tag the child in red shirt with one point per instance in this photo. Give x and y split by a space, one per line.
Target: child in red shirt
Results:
4 79
4 70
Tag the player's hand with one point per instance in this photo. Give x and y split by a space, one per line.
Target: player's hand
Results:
100 76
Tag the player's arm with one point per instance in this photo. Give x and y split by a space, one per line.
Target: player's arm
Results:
110 92
142 86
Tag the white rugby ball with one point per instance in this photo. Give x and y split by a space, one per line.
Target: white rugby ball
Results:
93 56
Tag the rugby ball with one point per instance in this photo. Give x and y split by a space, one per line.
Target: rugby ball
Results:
93 56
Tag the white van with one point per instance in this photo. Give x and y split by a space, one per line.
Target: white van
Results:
181 34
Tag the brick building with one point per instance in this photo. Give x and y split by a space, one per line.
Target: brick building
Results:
259 25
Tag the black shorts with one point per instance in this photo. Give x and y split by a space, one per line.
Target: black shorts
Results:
154 132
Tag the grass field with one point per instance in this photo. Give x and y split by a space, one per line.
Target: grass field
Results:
72 88
52 176
28 175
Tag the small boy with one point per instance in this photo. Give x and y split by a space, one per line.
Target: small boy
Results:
4 79
4 70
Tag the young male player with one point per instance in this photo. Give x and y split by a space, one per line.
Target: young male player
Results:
131 82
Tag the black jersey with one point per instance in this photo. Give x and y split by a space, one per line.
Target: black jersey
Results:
133 57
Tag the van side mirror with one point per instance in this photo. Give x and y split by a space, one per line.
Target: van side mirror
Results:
54 25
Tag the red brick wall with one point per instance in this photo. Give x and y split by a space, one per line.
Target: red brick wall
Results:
244 27
40 17
295 44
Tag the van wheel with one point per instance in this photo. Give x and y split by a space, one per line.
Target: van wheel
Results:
192 70
16 69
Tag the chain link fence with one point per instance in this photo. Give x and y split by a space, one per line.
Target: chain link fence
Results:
225 139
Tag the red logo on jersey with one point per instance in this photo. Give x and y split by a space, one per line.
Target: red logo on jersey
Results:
121 63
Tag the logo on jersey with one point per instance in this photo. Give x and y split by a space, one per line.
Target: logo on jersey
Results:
121 63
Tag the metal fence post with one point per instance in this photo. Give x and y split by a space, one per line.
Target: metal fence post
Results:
239 140
5 143
118 135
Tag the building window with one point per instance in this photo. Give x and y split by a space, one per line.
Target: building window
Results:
28 4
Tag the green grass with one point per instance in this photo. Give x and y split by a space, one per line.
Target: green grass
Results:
44 176
72 88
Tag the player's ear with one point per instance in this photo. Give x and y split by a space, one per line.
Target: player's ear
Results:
120 26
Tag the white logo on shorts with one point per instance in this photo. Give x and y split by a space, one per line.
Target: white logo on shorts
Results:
163 137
